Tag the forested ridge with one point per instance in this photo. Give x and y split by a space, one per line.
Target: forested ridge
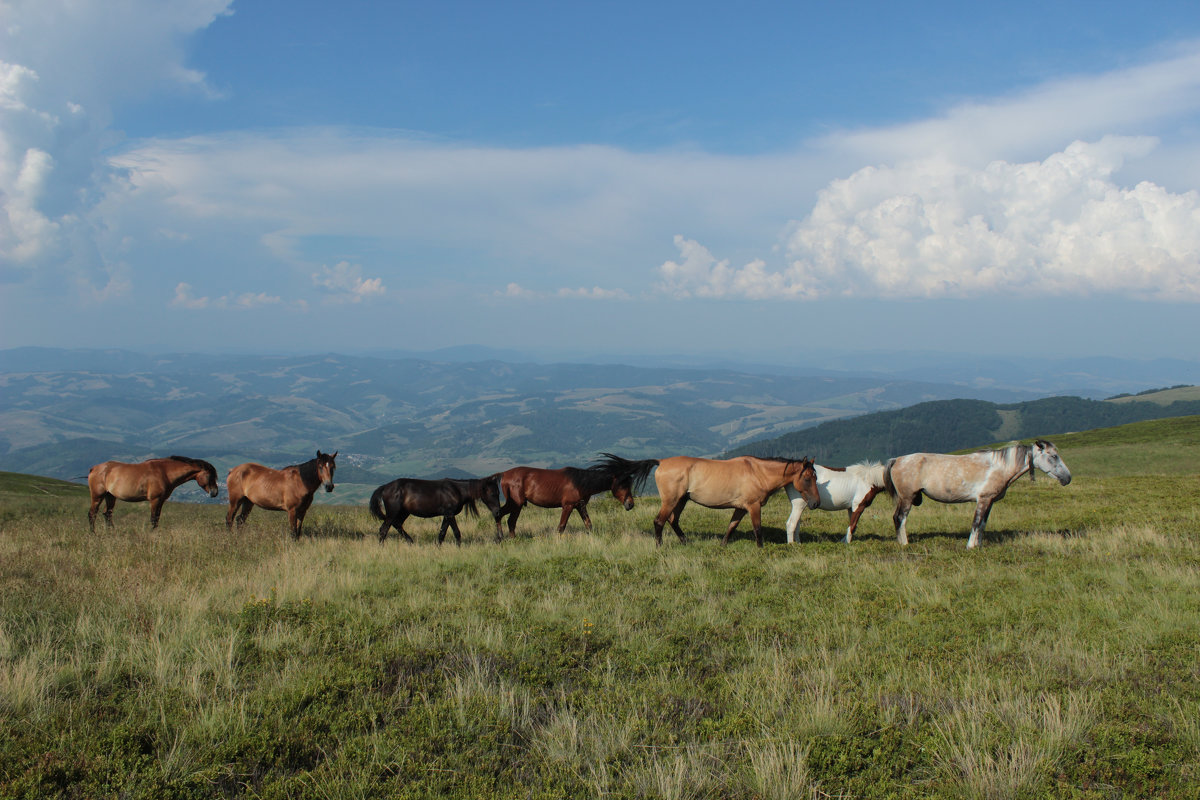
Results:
948 425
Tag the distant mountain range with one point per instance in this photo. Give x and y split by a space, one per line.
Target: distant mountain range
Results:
390 415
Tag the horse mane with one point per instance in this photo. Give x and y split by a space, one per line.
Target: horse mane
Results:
636 471
195 462
1015 454
308 471
870 471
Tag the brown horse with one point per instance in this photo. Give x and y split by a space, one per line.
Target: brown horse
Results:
569 488
152 480
289 489
743 484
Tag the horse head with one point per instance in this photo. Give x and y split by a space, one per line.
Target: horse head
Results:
805 482
207 479
1045 457
626 475
325 468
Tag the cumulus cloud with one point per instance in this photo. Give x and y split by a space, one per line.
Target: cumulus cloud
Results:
936 228
345 283
66 66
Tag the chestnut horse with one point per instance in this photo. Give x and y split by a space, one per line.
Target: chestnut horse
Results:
289 489
982 477
152 480
404 497
743 484
569 488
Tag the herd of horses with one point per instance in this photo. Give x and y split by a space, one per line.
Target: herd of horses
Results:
742 483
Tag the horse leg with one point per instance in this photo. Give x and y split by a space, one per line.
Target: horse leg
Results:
793 520
109 501
454 527
859 507
756 522
156 511
903 506
296 515
981 517
514 511
92 511
583 513
245 506
398 523
738 513
674 519
566 512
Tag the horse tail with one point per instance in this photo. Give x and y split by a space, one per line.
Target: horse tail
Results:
376 504
470 508
888 485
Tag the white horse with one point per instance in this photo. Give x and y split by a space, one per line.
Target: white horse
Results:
851 488
982 477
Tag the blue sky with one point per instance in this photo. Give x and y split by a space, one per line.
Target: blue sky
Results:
774 180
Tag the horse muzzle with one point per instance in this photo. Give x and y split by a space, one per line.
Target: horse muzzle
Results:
213 491
329 487
629 504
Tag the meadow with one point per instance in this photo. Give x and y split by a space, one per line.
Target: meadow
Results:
1060 659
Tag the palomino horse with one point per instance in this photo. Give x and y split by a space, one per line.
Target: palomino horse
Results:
289 489
570 488
981 477
851 488
743 484
404 497
152 480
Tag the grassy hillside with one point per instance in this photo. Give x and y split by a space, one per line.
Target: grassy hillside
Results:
1058 660
949 425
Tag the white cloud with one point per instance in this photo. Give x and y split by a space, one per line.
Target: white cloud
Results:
246 301
66 65
345 283
518 292
936 228
185 299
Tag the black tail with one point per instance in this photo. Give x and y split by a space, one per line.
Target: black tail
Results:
469 507
376 504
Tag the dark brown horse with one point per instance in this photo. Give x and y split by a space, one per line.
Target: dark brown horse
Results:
404 497
152 480
290 489
743 484
570 488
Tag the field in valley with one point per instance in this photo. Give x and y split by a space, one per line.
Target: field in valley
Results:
1060 659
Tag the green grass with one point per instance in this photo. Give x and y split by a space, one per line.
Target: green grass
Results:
1058 660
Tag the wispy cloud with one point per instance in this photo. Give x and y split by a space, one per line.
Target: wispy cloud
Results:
518 292
245 301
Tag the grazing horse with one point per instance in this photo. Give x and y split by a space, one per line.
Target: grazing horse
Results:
404 497
851 488
570 488
743 484
152 480
289 489
981 477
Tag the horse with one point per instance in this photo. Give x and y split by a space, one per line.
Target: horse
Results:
570 488
851 488
289 489
743 484
983 477
152 480
394 502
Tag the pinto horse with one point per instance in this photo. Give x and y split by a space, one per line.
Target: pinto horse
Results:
570 488
152 480
404 497
851 488
743 484
982 477
290 489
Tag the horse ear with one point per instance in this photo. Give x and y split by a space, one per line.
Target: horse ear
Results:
318 452
332 457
